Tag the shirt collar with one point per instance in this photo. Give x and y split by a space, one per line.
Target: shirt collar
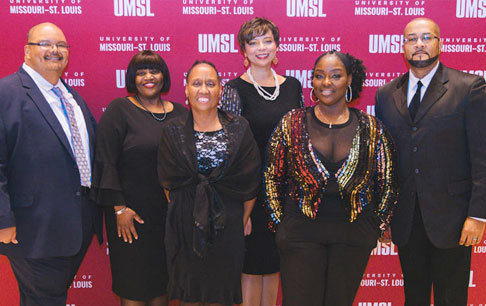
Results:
413 80
39 80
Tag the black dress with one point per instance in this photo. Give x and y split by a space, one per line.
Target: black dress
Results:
125 173
241 97
209 176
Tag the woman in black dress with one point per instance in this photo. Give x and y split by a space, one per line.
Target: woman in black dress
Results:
209 166
331 185
125 182
262 97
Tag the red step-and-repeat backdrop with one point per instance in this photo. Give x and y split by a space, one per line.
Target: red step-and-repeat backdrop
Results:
105 34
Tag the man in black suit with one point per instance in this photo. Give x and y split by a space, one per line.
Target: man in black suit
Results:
46 145
439 127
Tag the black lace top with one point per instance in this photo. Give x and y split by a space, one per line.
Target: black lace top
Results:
211 150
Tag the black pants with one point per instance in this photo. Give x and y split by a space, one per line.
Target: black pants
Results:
424 266
45 281
322 262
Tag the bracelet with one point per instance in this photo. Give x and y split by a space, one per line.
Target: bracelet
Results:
121 211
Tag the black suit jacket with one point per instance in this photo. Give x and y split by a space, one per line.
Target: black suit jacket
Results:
40 189
442 153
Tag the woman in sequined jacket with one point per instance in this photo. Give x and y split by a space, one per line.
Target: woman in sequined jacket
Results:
331 187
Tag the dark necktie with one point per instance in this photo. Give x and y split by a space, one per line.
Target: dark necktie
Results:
415 103
79 153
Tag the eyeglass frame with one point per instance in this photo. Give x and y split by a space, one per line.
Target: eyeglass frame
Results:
48 45
421 37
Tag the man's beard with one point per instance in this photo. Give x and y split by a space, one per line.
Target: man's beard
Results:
423 63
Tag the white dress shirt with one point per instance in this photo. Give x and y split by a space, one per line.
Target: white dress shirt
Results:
412 84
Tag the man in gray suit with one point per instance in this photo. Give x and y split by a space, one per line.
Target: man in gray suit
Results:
437 117
46 147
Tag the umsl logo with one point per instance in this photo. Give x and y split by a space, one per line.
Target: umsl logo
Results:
370 110
471 279
380 43
132 8
305 8
382 248
217 43
471 9
304 77
120 78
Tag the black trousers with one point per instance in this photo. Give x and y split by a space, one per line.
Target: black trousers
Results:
322 262
425 266
45 281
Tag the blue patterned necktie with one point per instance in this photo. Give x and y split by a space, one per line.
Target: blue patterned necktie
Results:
79 153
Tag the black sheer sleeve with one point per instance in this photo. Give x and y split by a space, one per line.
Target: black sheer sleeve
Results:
230 100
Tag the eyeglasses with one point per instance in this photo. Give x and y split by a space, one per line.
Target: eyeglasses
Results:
48 45
426 38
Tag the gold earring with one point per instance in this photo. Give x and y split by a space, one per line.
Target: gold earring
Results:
349 94
246 62
275 60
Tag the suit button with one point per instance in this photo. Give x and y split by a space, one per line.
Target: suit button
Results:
414 129
417 171
415 149
78 193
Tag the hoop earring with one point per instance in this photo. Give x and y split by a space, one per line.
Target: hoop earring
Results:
349 94
311 95
275 60
246 62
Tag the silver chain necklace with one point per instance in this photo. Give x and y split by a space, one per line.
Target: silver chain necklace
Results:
325 118
155 117
262 92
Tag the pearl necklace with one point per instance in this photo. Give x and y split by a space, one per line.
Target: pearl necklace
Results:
155 117
325 118
262 92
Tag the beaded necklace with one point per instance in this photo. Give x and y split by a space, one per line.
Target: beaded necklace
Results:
155 117
262 92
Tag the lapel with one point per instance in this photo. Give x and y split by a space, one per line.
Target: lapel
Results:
435 90
400 97
38 99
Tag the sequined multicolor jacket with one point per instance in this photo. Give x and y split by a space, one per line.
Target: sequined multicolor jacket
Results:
368 175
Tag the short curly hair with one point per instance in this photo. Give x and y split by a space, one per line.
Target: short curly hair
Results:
353 66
